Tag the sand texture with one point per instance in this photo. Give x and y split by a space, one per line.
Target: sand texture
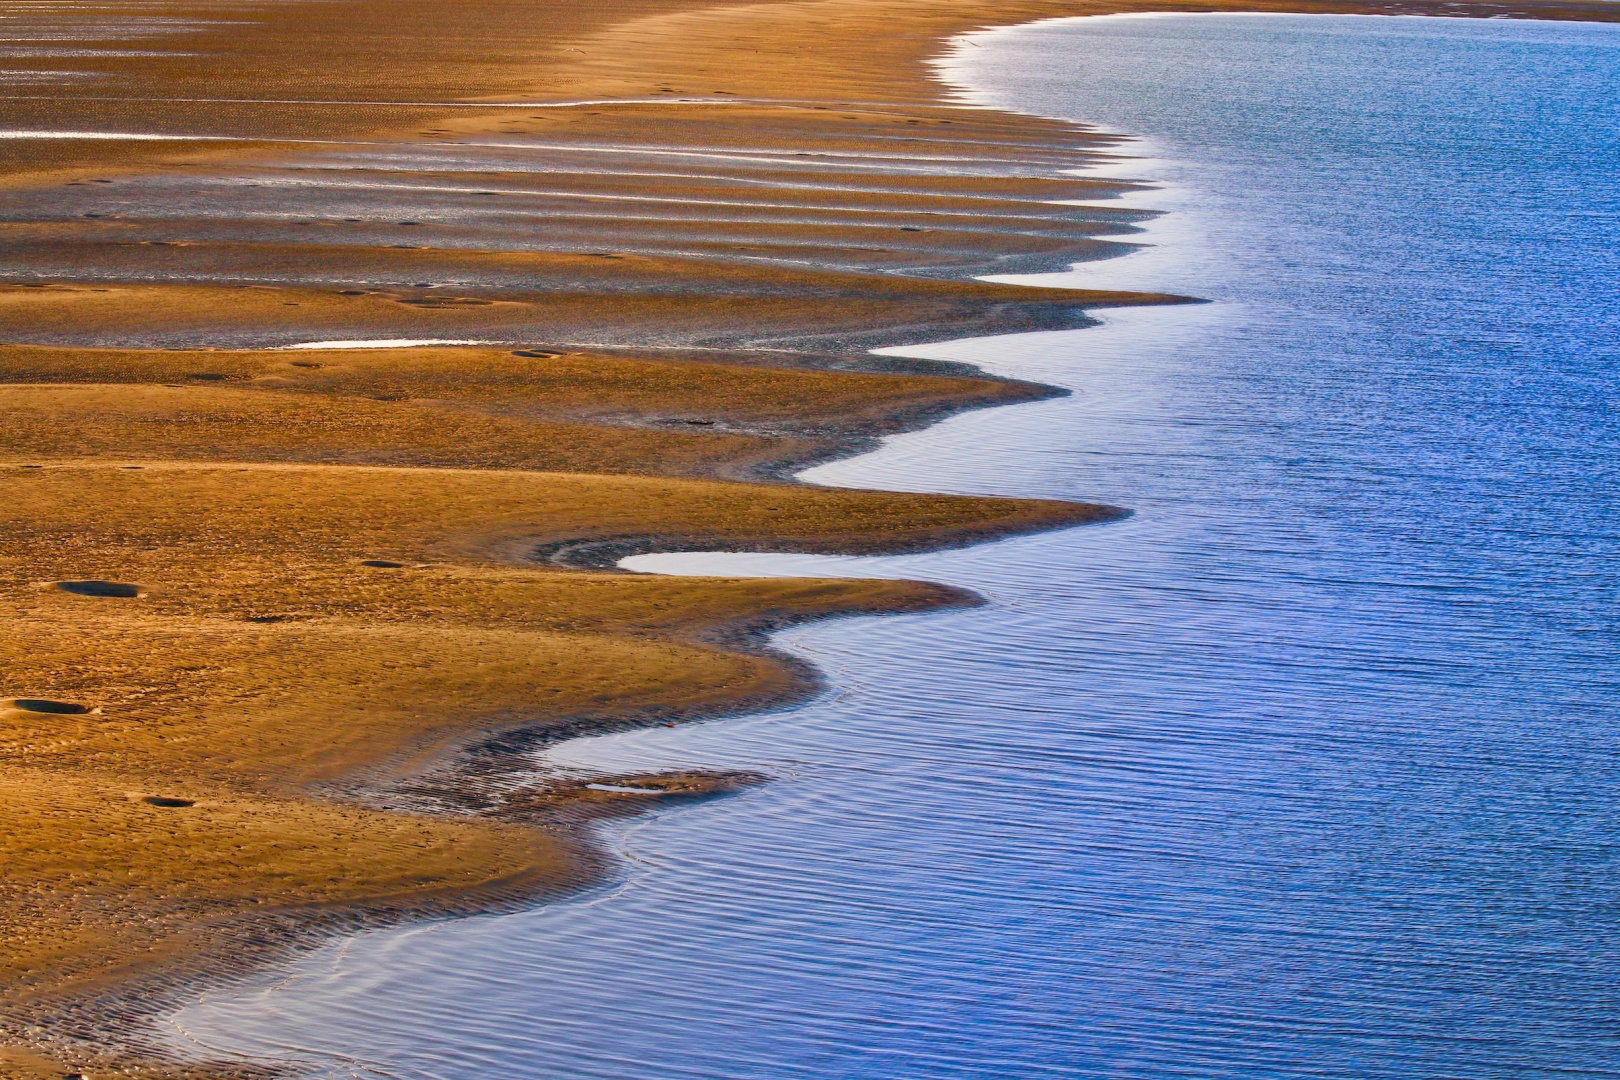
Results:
283 622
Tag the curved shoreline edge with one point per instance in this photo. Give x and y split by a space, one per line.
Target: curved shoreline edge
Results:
94 1025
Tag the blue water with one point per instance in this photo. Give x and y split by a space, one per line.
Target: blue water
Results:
1310 769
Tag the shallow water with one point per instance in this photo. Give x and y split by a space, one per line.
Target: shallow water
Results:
1309 769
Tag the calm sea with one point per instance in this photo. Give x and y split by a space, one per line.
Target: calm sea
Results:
1310 769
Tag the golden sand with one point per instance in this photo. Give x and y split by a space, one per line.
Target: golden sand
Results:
460 406
265 602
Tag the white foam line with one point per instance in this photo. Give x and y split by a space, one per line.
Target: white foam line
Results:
840 159
410 104
125 136
718 177
384 343
604 197
843 159
770 103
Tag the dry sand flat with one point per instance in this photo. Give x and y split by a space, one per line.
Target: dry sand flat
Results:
266 601
471 407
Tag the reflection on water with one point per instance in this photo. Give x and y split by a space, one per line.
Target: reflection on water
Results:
1307 770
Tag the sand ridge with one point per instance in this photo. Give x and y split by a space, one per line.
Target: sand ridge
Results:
282 618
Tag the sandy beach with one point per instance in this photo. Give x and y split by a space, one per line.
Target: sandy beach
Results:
285 617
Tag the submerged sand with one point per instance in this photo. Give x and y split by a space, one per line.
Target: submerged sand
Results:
284 619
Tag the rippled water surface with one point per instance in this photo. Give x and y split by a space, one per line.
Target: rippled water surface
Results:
1309 769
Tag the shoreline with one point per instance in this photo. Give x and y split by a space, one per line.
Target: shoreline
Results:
961 532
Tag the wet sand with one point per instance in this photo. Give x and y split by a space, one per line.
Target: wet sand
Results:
284 619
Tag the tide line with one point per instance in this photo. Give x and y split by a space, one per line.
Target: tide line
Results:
383 343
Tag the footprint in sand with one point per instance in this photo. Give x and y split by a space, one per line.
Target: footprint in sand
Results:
100 588
45 705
